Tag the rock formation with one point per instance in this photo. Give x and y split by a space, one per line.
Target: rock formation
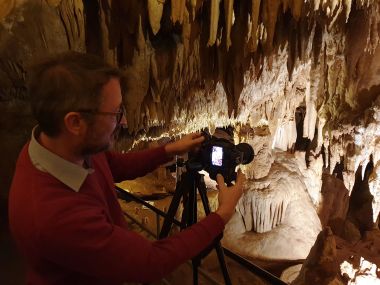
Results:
275 218
299 81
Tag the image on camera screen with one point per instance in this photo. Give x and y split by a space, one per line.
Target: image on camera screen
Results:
217 156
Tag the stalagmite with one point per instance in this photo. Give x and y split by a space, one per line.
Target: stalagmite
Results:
322 256
155 8
228 10
214 18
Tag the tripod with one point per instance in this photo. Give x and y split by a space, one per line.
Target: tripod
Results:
186 188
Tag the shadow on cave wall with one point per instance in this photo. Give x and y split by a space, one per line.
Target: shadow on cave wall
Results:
360 211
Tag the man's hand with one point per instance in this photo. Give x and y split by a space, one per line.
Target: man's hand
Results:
229 196
185 144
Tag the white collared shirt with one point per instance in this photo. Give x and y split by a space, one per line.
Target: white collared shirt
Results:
65 171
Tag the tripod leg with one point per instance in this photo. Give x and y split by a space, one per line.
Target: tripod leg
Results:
195 272
192 218
203 193
219 250
169 219
222 262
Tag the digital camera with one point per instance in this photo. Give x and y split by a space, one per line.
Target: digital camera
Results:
219 155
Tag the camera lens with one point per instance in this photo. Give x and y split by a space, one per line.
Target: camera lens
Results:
247 151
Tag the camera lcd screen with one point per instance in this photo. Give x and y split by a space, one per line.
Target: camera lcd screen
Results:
217 156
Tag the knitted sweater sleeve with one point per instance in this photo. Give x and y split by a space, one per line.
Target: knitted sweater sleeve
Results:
84 241
125 166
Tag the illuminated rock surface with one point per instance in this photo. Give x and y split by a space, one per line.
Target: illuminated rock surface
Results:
275 218
299 80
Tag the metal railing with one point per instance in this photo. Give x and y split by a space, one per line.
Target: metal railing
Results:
267 276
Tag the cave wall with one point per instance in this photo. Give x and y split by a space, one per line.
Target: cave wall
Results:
28 30
192 64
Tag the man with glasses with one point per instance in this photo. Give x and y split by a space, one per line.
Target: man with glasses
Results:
63 210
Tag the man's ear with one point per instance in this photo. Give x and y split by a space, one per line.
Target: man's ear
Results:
74 123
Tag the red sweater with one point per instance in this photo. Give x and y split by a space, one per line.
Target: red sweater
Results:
81 237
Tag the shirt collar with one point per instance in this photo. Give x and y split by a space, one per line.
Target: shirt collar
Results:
65 171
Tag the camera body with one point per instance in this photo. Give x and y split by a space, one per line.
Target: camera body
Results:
219 155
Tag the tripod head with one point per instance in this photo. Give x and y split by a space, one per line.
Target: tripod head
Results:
183 166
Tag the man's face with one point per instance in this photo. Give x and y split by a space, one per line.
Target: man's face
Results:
102 132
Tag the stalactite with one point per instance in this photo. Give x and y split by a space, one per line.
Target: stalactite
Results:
348 4
297 9
140 39
178 66
374 187
72 16
270 12
292 47
317 4
285 136
177 10
137 75
193 5
286 5
228 10
214 18
311 115
5 8
186 32
153 117
53 3
255 12
263 210
154 82
338 54
155 8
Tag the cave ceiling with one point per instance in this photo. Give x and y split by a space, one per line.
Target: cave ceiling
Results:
299 80
260 65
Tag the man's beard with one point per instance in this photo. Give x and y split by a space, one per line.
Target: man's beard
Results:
93 149
90 147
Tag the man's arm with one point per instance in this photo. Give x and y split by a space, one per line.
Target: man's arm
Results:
136 164
128 166
82 240
185 144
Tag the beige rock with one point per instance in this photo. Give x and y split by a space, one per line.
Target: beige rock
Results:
155 8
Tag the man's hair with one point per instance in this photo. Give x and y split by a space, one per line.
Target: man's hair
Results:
66 82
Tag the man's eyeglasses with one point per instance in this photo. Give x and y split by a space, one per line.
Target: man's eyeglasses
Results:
119 114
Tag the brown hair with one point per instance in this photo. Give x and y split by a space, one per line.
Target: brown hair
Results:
66 82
